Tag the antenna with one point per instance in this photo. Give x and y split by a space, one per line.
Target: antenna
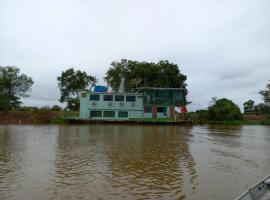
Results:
122 86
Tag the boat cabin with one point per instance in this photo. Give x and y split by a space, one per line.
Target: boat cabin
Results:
145 103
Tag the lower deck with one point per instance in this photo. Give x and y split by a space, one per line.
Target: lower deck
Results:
132 121
146 113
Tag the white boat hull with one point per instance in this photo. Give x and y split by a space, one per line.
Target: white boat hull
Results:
260 191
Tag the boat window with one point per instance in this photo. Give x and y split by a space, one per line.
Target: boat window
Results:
130 98
108 114
119 98
108 97
95 113
122 114
94 97
161 109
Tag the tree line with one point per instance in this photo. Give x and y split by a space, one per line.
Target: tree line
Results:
225 110
14 86
261 108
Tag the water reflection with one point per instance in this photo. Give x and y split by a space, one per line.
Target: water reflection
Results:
125 161
10 162
5 170
225 135
131 162
228 130
151 163
225 140
25 161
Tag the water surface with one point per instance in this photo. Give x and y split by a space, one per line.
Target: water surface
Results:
131 162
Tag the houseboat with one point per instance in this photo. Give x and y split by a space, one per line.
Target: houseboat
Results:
140 104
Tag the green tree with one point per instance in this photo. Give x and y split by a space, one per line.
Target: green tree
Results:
69 83
262 109
248 106
13 85
266 94
56 108
145 74
224 109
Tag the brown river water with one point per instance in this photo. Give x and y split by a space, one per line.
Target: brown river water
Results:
131 162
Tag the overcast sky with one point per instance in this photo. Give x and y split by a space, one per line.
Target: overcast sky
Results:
223 46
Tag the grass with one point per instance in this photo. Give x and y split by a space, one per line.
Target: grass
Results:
233 122
247 120
265 122
59 121
40 116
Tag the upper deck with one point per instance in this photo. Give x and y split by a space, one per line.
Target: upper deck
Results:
163 96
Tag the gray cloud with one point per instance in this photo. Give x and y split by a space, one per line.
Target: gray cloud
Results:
223 46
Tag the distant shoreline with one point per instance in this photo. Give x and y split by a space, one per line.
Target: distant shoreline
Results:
35 117
49 117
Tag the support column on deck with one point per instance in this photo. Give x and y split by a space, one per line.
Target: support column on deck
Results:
172 113
154 112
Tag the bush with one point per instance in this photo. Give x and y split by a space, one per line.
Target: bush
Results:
56 108
224 109
201 115
262 109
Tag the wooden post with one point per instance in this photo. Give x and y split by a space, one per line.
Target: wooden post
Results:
172 113
154 112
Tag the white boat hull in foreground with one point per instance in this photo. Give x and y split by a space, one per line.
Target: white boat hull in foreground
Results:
260 191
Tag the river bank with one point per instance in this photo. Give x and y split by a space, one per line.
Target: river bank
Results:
42 116
247 120
36 117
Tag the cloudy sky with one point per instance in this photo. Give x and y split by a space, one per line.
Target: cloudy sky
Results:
223 46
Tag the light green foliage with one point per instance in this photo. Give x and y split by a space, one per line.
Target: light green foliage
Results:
224 109
248 106
266 94
69 83
13 85
264 108
145 74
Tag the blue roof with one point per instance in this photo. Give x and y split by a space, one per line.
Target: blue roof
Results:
100 88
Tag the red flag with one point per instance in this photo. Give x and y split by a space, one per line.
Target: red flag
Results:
183 109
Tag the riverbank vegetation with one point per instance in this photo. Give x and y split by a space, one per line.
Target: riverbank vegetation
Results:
32 115
145 74
50 116
14 85
224 111
137 74
247 120
69 83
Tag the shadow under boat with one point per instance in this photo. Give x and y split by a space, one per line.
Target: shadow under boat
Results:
136 122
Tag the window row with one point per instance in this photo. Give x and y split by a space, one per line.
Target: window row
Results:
129 98
148 109
109 114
